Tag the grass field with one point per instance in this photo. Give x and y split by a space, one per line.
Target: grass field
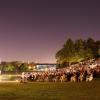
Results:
50 91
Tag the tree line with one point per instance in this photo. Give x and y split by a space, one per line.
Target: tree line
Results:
78 50
16 66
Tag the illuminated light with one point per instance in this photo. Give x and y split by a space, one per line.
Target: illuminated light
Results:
29 67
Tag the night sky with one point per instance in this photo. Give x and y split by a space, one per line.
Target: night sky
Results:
35 30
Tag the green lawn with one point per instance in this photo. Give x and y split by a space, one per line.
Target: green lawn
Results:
50 91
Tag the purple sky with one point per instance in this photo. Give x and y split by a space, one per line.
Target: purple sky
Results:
35 30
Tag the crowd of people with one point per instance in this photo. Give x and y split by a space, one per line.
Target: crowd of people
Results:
83 71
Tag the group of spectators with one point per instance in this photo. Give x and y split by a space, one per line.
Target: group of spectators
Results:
83 71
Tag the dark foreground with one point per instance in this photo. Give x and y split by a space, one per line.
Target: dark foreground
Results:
50 91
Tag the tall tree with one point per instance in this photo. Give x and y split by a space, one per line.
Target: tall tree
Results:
66 54
79 45
90 44
97 48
